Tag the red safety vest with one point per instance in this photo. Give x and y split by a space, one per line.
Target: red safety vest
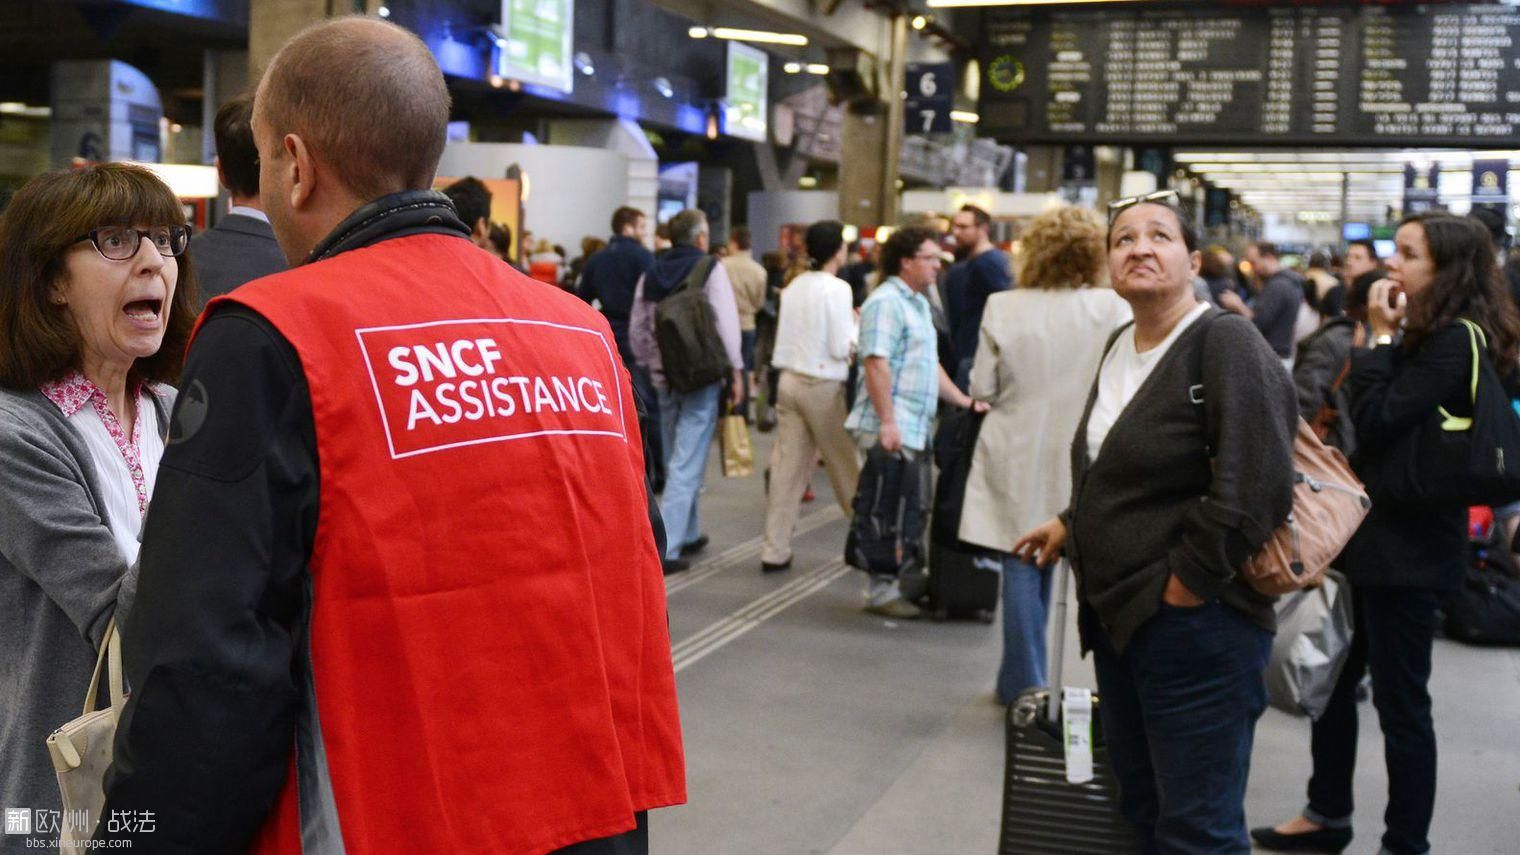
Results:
489 646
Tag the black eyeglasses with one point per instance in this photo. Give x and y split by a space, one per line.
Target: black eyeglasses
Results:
120 243
1118 205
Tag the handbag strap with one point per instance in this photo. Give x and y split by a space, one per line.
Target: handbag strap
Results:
1456 424
110 652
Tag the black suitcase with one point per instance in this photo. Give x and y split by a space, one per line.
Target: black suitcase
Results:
1043 813
960 586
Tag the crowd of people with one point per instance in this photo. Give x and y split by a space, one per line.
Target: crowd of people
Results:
335 504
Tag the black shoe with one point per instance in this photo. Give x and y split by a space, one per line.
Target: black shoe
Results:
675 565
695 546
1323 840
767 567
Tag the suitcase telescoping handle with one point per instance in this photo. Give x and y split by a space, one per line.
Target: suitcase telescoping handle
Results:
1057 656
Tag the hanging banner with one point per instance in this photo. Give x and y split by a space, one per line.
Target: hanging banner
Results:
1490 188
1421 189
931 93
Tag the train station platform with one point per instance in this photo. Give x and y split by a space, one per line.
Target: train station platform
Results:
812 727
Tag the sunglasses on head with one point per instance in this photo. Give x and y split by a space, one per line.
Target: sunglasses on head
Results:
1119 205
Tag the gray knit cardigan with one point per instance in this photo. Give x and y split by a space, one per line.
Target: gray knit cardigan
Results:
62 578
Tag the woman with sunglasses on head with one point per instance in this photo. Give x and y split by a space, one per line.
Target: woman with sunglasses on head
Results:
95 314
1406 557
1175 484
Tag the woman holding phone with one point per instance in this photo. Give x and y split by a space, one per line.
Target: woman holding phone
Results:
1406 557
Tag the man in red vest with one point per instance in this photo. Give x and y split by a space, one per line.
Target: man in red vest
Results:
401 585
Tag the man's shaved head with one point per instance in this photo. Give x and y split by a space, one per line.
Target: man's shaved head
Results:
366 97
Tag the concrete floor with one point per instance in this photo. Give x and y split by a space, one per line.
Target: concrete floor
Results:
812 727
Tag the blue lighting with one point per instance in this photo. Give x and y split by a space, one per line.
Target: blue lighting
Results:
690 119
231 11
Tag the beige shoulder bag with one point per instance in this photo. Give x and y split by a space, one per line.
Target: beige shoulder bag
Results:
81 749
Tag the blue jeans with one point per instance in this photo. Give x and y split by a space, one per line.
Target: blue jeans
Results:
687 423
1395 629
1179 710
1026 603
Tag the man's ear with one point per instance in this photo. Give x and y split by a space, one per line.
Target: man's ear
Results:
221 177
302 171
482 230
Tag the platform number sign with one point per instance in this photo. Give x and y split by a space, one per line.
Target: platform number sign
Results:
931 94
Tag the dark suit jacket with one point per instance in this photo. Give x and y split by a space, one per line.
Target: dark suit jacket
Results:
239 249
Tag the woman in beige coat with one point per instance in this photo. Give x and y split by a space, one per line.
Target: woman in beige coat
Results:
1039 348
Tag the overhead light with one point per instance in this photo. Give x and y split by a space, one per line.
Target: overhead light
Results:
176 128
964 116
662 86
16 108
792 68
583 64
920 21
383 11
816 68
807 182
498 34
765 37
952 4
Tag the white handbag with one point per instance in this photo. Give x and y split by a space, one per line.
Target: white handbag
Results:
81 750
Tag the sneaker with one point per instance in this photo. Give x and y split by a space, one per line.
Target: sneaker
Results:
898 608
767 567
696 545
675 565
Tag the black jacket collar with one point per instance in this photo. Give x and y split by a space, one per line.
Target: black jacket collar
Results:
410 212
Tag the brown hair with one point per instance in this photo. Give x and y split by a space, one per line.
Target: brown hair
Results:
1467 284
625 216
42 222
902 245
980 217
367 98
1063 248
235 152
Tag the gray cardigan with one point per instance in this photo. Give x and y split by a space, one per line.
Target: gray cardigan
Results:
1154 504
62 577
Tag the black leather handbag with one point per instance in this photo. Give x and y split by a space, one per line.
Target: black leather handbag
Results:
1451 460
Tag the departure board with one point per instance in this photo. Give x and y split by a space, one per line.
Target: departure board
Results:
1428 75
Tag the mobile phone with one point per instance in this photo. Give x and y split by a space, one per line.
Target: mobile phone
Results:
1393 296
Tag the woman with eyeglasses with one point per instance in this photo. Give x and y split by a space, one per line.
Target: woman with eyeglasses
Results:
1407 556
1181 470
95 314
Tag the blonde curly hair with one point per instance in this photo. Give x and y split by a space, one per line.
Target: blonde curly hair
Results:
1063 248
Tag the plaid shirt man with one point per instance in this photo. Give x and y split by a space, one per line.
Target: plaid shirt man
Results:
896 324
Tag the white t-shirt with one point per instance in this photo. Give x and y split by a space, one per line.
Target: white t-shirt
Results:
816 328
1121 375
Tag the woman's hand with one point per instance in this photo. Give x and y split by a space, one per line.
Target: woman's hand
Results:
1042 546
1385 320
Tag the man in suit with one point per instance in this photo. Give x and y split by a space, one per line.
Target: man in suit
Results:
241 247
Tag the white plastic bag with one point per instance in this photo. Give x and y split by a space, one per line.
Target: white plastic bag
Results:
1313 639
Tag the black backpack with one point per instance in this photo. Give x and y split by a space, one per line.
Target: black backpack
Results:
686 330
886 533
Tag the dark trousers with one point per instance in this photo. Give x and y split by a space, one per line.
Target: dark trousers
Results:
649 425
635 842
1179 709
1395 628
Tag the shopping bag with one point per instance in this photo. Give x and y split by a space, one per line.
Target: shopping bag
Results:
81 749
738 451
1313 640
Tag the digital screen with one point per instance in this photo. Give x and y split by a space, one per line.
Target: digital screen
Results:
1356 231
1428 74
747 86
537 44
1384 248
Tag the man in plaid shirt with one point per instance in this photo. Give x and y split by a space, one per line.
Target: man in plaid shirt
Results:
902 378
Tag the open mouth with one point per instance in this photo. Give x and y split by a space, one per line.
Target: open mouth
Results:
143 310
